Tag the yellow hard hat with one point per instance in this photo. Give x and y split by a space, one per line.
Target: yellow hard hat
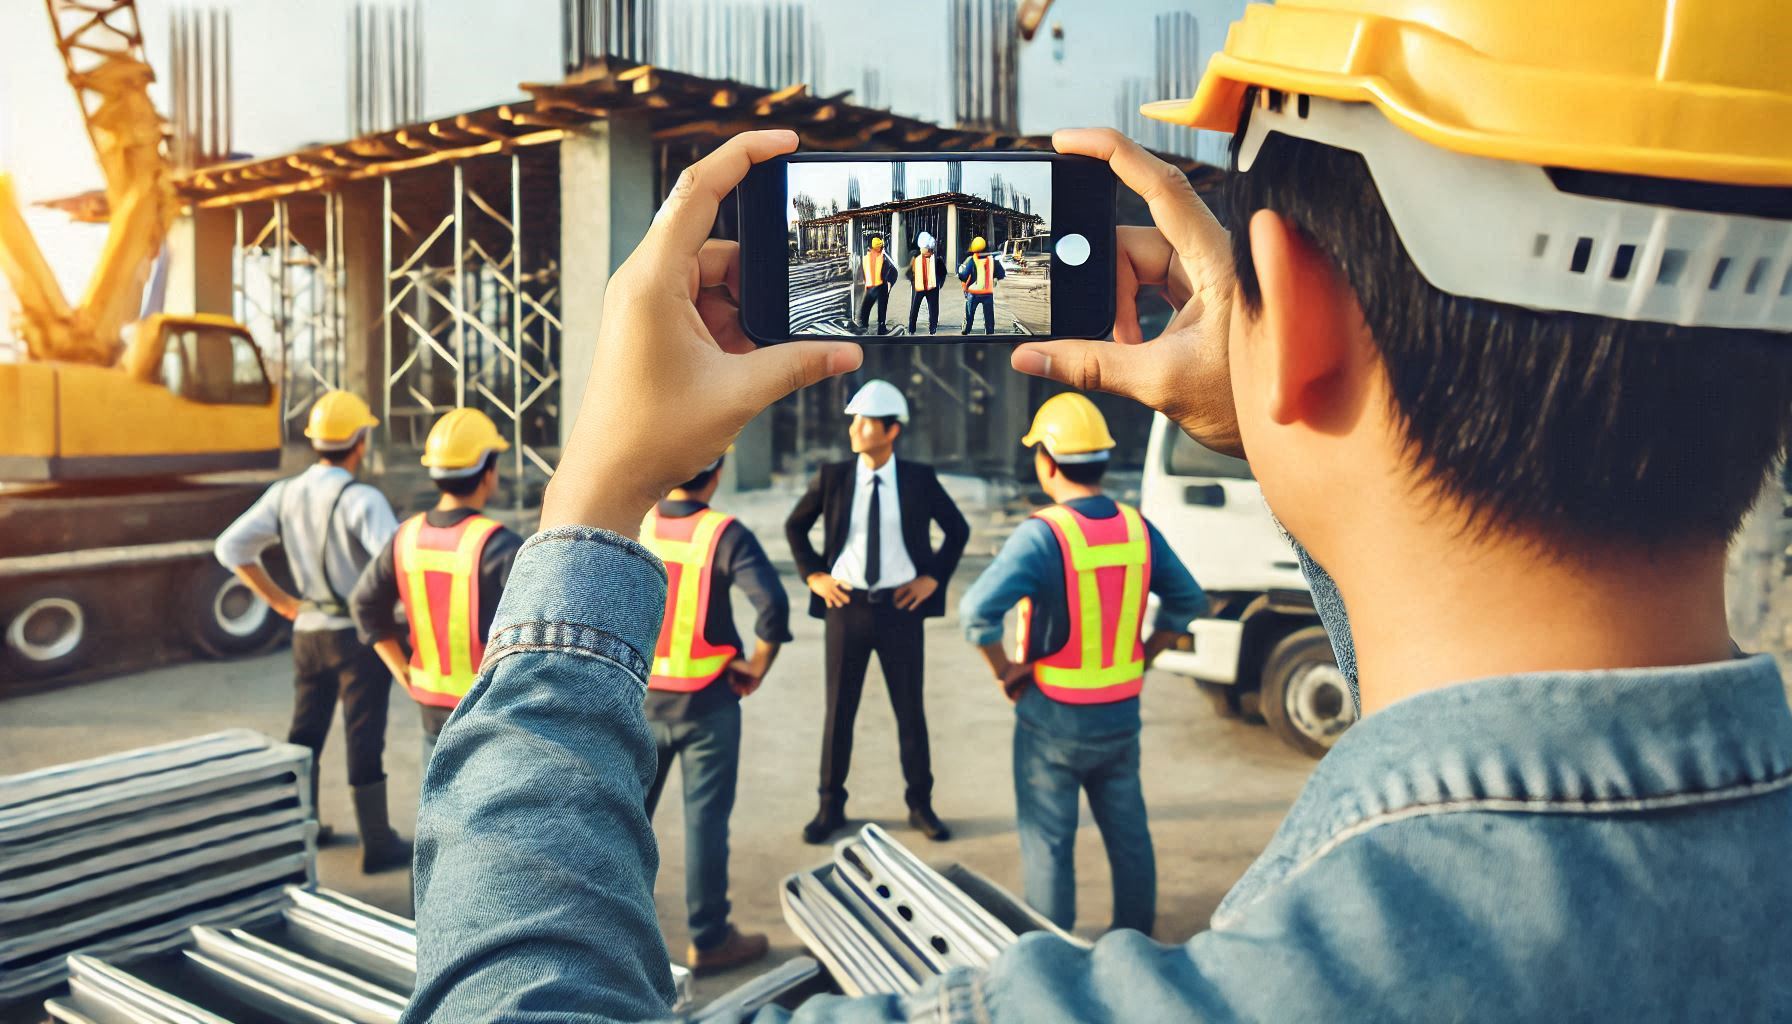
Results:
459 443
1071 429
337 419
978 244
1660 88
877 243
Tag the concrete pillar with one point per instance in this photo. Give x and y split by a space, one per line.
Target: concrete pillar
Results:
364 271
954 256
898 240
201 262
855 245
606 206
750 467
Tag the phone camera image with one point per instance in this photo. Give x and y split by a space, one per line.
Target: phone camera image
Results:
919 249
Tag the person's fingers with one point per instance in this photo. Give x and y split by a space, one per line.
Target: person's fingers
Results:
722 317
1135 371
1181 215
1147 252
1126 305
718 264
684 221
768 374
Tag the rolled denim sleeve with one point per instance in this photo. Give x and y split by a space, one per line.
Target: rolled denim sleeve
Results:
1018 571
535 857
1180 599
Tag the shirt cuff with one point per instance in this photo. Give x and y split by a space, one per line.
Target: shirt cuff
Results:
981 635
582 588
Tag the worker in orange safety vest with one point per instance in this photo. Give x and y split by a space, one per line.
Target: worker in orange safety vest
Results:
979 272
1080 570
447 567
877 275
700 673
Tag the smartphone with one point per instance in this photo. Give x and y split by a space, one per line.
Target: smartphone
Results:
927 248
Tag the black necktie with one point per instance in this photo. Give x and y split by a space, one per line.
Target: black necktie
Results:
874 538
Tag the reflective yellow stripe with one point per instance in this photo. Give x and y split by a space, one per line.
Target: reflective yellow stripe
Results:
419 611
460 565
1130 554
693 558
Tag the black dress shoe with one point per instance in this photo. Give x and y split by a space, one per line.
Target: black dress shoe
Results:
822 827
928 824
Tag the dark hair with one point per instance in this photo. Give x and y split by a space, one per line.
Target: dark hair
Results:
1573 430
461 486
701 480
1087 474
340 456
890 422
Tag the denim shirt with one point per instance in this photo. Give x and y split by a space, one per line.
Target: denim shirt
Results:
1611 845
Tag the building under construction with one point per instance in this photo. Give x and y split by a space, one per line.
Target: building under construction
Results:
425 265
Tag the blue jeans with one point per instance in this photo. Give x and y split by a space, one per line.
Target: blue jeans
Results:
708 750
1049 773
987 303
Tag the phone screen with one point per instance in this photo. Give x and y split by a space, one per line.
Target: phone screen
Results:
919 248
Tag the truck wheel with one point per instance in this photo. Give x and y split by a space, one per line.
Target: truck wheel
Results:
1222 696
1306 699
48 631
223 617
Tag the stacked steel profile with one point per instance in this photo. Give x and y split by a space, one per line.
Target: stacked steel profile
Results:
882 921
123 854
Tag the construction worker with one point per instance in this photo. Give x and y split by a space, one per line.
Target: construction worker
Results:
980 271
876 274
1081 571
925 274
329 526
448 567
1494 328
875 580
700 673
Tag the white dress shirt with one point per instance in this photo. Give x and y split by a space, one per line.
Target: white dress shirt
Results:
894 567
362 526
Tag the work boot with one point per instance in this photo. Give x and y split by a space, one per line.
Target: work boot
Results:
830 819
738 948
923 820
324 832
381 848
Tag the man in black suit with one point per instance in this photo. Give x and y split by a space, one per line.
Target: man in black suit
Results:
874 581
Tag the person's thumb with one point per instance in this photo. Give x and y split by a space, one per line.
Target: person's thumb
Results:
1091 366
774 371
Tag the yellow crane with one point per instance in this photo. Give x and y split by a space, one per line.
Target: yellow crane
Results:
97 396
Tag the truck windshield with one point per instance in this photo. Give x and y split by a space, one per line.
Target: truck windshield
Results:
1185 456
215 366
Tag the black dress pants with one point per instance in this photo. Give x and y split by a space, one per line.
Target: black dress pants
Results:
933 310
854 633
328 664
879 296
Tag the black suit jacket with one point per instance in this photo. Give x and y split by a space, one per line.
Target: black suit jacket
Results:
924 502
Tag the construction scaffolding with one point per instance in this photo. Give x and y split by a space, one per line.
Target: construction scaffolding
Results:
290 295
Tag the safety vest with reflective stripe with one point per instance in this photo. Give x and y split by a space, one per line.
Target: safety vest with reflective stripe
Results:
924 274
1107 575
983 275
438 581
683 661
874 269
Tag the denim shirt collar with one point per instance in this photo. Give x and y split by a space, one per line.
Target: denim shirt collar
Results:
1593 742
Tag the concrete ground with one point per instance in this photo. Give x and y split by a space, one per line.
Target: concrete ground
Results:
1216 788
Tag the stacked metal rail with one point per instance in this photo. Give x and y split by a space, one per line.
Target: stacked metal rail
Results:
882 921
123 854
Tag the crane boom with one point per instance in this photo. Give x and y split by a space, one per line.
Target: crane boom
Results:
101 44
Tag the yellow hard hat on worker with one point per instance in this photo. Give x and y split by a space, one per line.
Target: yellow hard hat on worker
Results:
877 243
1662 88
978 244
337 420
459 443
1071 430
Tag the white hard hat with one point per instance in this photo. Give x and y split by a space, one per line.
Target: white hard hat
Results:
877 399
925 240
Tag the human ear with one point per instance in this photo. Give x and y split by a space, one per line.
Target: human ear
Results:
1304 329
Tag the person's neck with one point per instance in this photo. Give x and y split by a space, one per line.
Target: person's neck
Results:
874 461
680 494
1063 491
1448 609
454 503
351 465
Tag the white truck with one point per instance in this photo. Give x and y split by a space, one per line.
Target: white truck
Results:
1261 651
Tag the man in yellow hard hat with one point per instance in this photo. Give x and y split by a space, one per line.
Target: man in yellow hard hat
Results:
329 526
1503 328
980 271
1081 570
447 567
876 274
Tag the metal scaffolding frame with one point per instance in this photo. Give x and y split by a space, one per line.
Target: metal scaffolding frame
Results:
293 298
481 331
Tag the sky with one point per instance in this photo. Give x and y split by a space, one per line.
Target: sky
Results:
826 182
290 76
